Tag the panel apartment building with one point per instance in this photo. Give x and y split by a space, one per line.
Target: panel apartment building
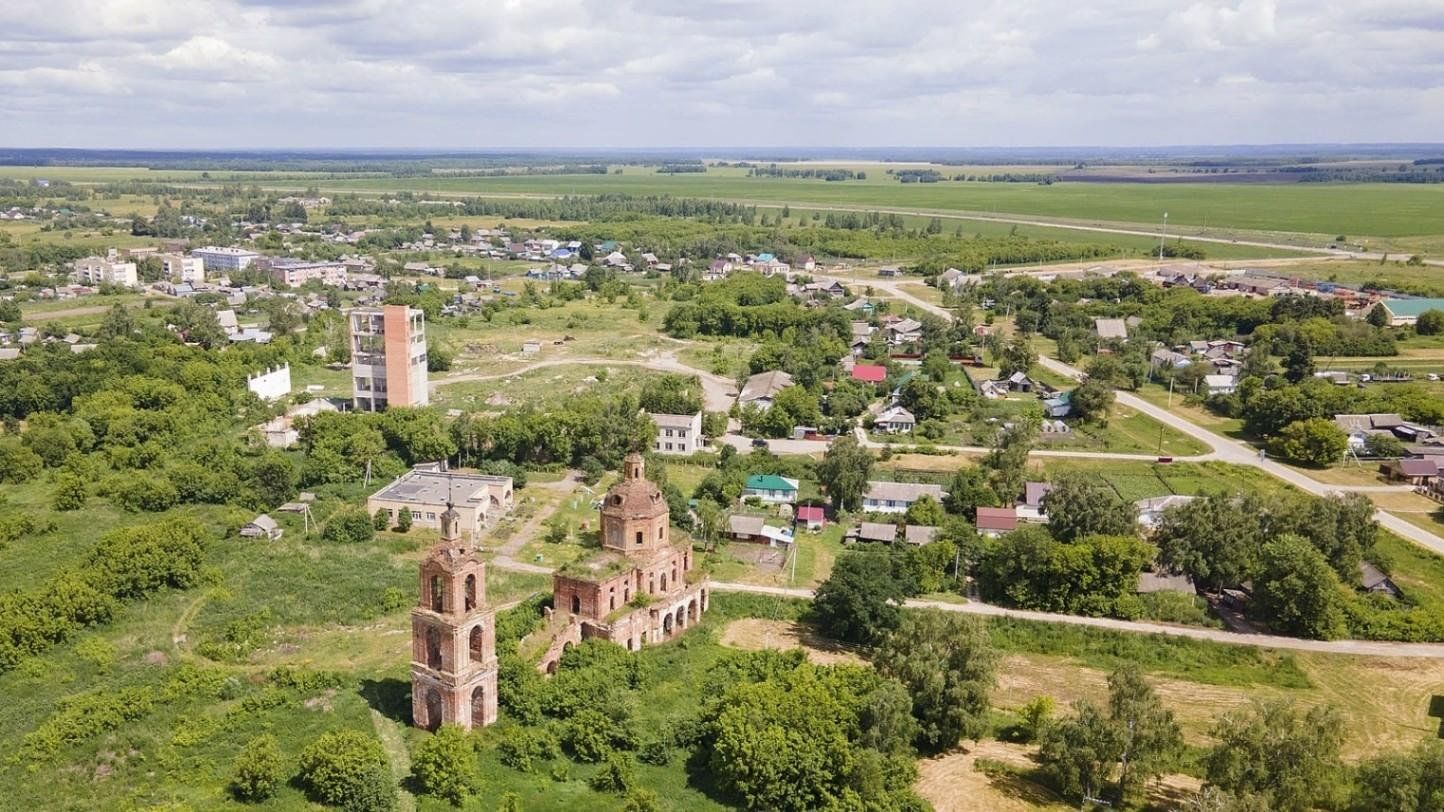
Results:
388 358
224 260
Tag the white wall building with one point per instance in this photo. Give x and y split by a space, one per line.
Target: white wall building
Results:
223 260
183 269
273 384
99 271
678 433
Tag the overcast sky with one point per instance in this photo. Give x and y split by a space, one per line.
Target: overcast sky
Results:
632 73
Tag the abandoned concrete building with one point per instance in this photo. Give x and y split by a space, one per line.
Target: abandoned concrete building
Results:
638 588
453 636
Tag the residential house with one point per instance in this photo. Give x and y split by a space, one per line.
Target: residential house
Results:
812 517
905 331
1018 382
876 532
1168 359
895 420
744 527
771 489
678 433
1220 384
897 497
993 522
1058 406
1111 329
1418 471
1030 507
100 271
1374 581
869 373
919 534
261 527
761 389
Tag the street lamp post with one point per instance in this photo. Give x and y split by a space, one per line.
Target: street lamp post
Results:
1161 236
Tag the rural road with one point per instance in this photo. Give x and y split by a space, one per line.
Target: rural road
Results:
1367 648
1224 448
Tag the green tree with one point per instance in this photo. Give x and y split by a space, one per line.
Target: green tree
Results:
1296 591
947 664
19 464
969 490
1079 754
1404 782
1017 356
860 600
1091 402
1315 441
1080 505
403 520
1152 740
348 769
444 765
257 771
381 519
926 512
1429 323
843 472
349 526
1378 316
1214 539
618 775
1270 750
70 493
1384 446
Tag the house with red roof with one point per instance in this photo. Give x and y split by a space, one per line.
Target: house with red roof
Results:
869 373
812 517
993 522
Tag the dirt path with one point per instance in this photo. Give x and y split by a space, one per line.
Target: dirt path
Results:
506 553
395 746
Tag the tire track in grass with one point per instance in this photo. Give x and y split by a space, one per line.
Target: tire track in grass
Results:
395 747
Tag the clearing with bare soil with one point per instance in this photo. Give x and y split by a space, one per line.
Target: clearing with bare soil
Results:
755 634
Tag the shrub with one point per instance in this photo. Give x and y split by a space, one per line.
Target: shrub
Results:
403 520
642 800
655 752
70 492
141 492
588 736
521 748
349 526
18 463
445 765
381 520
257 771
619 775
348 769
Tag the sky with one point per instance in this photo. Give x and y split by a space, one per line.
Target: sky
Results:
216 74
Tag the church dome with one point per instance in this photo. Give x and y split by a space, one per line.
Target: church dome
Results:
635 496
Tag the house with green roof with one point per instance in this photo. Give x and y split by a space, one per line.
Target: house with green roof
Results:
770 488
1404 312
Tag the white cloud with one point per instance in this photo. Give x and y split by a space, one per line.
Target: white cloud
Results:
220 73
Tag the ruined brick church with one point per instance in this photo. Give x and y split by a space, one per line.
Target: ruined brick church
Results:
639 588
453 637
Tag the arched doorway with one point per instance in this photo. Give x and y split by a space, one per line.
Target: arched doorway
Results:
470 592
664 582
576 604
478 707
476 643
433 709
551 667
681 617
433 648
692 612
667 623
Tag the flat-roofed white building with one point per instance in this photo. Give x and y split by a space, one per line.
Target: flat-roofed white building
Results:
101 271
216 259
480 500
183 269
678 433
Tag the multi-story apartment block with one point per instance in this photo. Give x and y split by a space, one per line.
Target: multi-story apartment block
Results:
296 272
225 260
99 271
183 269
388 357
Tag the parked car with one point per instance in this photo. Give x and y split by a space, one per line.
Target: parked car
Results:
759 443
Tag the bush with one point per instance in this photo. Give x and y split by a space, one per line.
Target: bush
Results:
655 752
619 775
257 771
18 464
445 765
380 520
140 492
349 526
70 492
403 520
642 800
348 769
522 748
588 736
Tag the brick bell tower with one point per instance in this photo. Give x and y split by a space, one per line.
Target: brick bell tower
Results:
453 637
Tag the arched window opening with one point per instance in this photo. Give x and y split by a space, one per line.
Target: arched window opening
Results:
438 594
476 644
433 648
470 592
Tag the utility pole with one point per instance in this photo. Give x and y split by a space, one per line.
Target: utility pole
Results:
1161 236
1171 379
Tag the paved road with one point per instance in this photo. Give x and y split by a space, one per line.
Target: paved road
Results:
1369 648
1232 451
